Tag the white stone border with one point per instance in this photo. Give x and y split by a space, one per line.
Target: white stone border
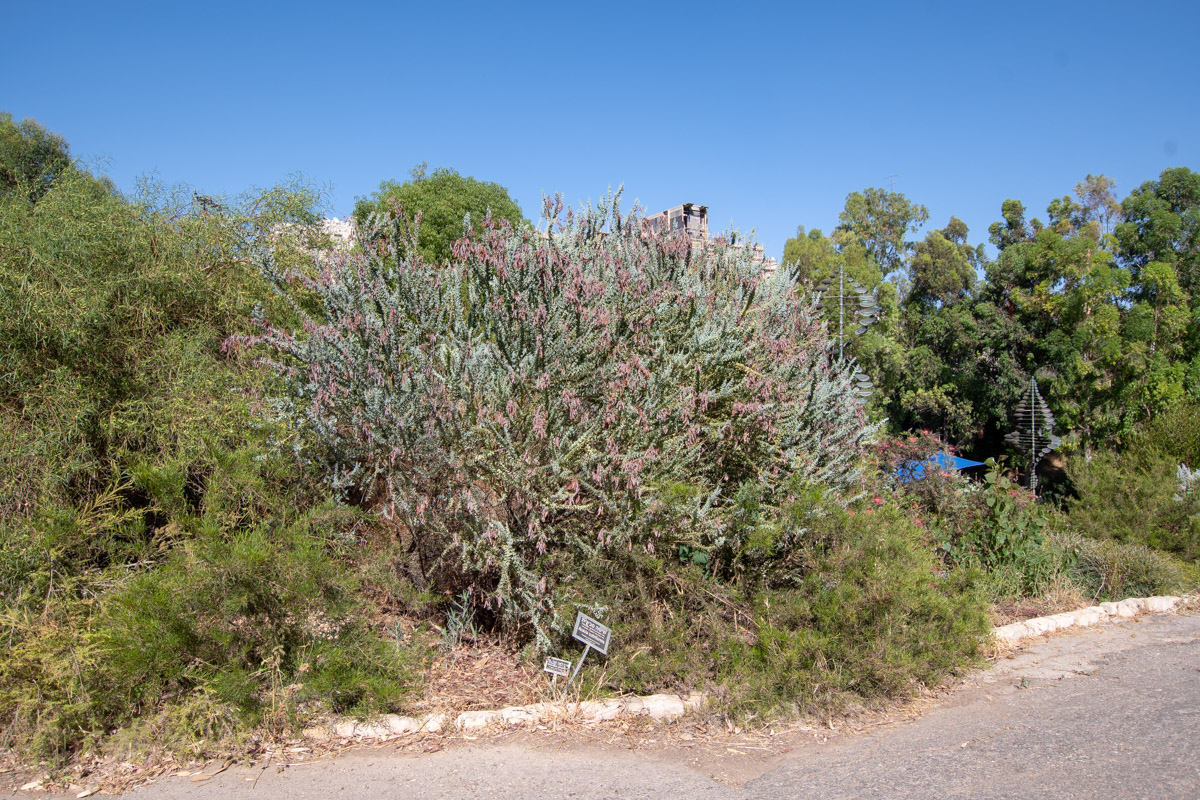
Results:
1084 617
672 706
587 712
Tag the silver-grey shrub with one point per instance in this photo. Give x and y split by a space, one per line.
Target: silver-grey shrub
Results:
550 396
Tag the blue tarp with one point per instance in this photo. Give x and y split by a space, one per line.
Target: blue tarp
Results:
915 470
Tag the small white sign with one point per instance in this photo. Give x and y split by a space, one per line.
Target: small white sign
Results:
592 633
557 666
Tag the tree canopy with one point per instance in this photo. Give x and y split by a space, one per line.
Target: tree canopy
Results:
880 220
1099 302
443 198
32 159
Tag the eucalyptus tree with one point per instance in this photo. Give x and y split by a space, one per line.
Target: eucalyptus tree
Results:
881 221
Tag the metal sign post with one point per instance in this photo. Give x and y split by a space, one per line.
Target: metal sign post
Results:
556 667
579 666
593 634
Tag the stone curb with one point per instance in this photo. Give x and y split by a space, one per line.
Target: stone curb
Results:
1085 617
587 712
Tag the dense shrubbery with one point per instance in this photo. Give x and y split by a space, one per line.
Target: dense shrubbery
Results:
874 615
243 627
990 523
864 610
592 418
607 420
1135 495
544 399
1125 501
156 556
1111 570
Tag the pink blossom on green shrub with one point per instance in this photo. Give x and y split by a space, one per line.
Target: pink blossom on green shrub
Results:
547 395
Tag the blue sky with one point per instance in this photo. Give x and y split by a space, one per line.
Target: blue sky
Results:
769 113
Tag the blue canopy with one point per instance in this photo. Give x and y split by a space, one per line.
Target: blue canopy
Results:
915 470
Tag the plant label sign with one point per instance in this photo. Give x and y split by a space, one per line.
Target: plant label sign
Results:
592 633
557 666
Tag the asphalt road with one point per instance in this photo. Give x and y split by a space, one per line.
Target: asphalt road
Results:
1111 713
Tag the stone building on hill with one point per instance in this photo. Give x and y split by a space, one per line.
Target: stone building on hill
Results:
693 220
689 217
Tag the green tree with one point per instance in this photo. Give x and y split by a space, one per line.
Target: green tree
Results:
958 372
443 198
880 220
942 269
810 256
1098 203
1162 223
1014 228
31 158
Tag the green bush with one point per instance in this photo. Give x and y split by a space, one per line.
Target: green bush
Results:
1175 434
874 617
1113 570
245 613
1007 532
162 565
230 631
865 612
1133 497
994 525
113 318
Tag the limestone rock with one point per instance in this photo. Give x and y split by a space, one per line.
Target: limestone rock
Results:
1161 604
656 706
477 720
1092 615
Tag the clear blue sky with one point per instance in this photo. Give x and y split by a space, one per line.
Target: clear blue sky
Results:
769 113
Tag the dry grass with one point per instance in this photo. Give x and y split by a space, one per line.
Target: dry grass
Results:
1061 595
482 675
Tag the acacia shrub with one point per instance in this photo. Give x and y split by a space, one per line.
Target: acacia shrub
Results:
548 397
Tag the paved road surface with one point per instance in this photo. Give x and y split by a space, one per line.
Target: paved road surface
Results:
1111 714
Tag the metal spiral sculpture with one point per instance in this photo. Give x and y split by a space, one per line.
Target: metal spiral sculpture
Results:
861 307
1034 435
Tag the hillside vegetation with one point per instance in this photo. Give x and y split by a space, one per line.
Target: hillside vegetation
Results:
249 479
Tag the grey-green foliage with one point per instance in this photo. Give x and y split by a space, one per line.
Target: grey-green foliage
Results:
1187 483
546 397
